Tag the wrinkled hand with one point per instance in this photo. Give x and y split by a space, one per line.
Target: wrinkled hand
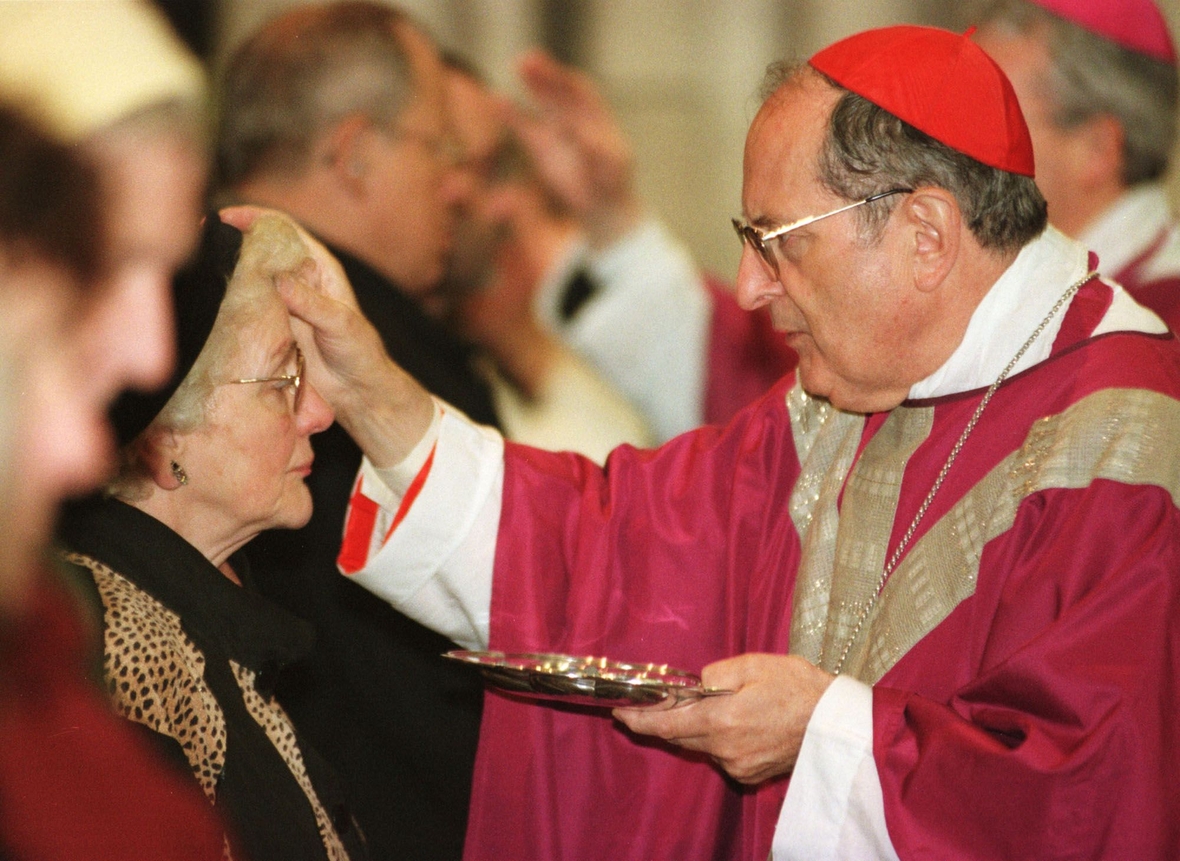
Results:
338 345
582 154
381 406
755 733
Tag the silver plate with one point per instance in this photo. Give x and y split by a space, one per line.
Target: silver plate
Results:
585 680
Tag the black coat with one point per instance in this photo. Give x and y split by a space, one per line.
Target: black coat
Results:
375 698
268 813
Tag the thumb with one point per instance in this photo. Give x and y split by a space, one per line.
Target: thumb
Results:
242 217
730 673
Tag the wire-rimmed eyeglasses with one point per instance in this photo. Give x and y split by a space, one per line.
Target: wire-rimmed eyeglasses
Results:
758 238
295 380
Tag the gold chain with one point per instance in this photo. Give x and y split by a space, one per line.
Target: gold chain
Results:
909 533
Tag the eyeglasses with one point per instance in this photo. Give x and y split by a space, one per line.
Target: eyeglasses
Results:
294 380
758 239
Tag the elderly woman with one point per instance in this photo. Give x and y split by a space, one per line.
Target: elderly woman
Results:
191 652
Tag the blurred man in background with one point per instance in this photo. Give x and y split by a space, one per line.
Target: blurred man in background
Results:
624 294
1097 81
510 234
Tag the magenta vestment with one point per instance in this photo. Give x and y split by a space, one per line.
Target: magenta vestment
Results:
1023 655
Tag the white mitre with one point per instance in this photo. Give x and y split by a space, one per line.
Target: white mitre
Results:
81 65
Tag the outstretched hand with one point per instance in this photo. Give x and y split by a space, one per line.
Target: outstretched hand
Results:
581 153
382 407
755 733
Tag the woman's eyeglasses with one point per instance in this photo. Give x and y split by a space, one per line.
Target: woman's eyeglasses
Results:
295 379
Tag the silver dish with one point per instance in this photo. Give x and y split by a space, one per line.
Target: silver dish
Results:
588 680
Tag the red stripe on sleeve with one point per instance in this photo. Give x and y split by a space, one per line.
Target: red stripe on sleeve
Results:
412 492
358 531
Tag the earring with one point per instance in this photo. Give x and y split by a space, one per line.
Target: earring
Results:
178 473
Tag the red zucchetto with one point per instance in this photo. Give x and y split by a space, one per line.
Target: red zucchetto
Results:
939 82
1137 25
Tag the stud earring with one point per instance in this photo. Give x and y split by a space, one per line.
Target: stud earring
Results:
178 473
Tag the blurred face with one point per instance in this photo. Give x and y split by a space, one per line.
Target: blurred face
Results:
480 132
248 462
836 296
413 190
59 443
1060 154
80 347
153 184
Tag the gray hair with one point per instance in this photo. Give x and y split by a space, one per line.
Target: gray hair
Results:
868 150
300 74
1091 75
270 247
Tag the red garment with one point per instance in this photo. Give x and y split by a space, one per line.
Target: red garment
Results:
75 782
939 82
1137 25
746 356
1035 718
1160 293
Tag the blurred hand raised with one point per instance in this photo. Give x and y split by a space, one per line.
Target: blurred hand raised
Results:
581 153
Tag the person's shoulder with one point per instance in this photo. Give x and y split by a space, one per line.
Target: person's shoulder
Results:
1155 274
120 597
154 672
1160 293
144 639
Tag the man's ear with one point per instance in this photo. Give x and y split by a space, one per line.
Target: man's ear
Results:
157 450
934 216
346 150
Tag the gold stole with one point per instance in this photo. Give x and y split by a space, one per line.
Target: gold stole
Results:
1126 435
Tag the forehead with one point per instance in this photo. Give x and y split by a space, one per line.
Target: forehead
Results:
258 338
782 148
427 102
268 323
474 113
252 303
